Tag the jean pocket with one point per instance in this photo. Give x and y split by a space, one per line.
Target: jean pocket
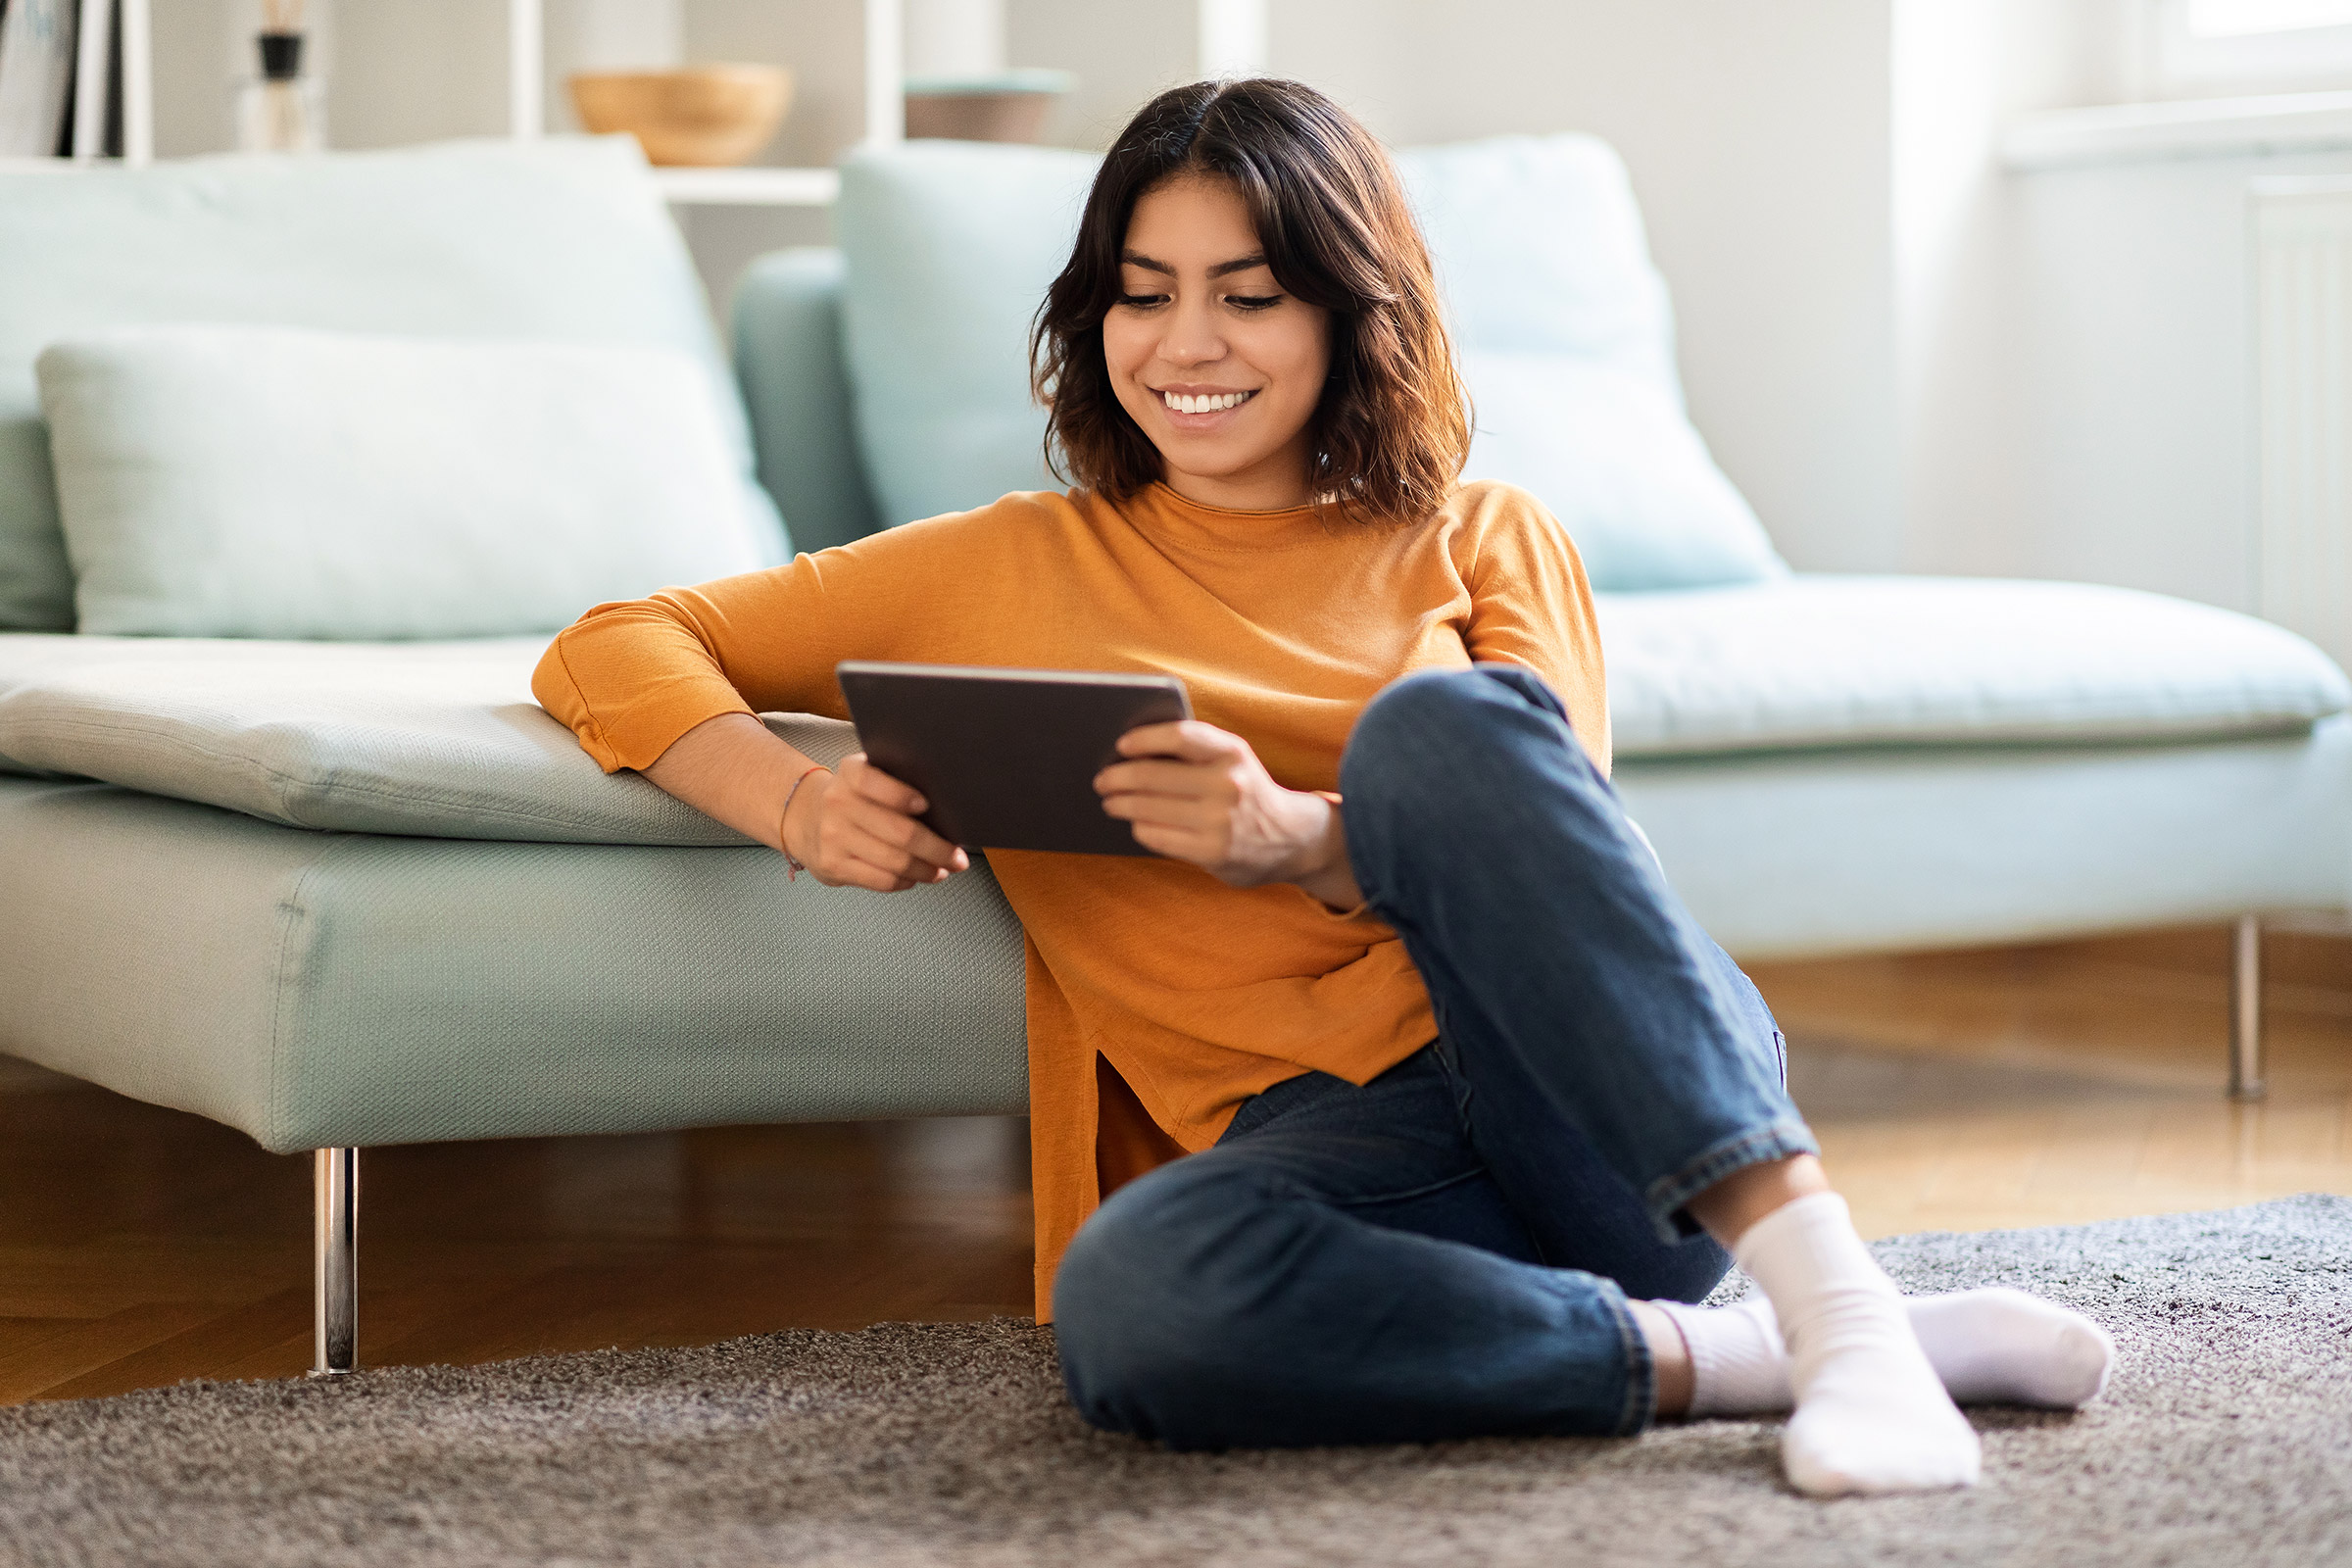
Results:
1275 1099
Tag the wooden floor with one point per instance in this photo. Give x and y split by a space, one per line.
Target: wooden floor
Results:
140 1247
2054 1085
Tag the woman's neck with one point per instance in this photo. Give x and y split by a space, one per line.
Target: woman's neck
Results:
1276 484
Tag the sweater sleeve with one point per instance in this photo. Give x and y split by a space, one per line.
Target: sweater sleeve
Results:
1531 605
630 678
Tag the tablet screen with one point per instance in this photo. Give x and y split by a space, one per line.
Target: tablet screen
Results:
1007 758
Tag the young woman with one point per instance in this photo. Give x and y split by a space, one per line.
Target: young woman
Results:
1468 1106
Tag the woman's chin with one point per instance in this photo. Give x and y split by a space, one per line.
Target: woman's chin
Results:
1221 454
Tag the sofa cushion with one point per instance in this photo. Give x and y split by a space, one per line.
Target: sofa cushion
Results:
1814 661
1566 340
951 246
239 482
785 320
562 241
1798 854
432 739
443 740
1562 323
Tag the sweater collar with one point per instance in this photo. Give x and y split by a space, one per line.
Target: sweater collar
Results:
1162 511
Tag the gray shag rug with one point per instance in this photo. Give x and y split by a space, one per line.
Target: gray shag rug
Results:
2225 1437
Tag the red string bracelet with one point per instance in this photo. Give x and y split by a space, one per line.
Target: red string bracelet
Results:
792 863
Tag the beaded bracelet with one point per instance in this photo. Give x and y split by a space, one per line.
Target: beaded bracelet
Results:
792 863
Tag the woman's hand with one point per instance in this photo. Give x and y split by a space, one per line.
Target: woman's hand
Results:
857 826
1193 792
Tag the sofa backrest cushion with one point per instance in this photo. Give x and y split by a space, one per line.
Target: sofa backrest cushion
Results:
1565 336
240 481
951 246
785 322
1566 339
561 241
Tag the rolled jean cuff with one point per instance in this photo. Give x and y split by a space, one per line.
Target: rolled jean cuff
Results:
1640 1406
1669 1194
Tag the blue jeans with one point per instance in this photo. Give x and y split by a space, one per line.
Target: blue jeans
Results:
1447 1251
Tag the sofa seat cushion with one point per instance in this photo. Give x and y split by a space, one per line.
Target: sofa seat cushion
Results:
442 739
1809 853
438 740
1819 662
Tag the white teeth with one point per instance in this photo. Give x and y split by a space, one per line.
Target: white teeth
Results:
1207 404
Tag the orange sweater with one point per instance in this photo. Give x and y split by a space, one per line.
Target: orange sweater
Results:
1283 625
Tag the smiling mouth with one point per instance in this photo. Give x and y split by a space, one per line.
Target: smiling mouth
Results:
1203 403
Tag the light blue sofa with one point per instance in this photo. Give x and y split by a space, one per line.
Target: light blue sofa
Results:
344 894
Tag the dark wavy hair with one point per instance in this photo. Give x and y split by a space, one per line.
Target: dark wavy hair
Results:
1393 429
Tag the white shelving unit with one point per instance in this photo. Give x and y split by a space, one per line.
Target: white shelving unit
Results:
527 106
752 186
138 87
1232 39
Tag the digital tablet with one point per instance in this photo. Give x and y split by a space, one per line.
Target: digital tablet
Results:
1007 758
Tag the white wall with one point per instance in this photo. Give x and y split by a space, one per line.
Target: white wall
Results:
2072 344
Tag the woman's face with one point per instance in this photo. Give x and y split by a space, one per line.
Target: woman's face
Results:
1220 367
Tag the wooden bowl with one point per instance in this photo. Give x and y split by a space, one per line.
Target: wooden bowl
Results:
705 116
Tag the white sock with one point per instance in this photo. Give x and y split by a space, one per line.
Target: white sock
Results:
1993 1345
1997 1345
1739 1366
1871 1414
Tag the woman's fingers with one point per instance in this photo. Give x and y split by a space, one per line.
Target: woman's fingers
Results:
1177 843
896 843
839 866
1159 777
868 836
857 874
1187 739
856 858
920 846
870 783
873 822
1198 831
1180 788
876 852
866 781
1164 811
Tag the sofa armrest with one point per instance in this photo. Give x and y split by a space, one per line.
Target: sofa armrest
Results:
796 386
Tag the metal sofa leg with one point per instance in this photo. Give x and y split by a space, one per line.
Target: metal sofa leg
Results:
335 1280
2245 1009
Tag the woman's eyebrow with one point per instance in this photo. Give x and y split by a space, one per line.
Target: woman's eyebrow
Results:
1239 263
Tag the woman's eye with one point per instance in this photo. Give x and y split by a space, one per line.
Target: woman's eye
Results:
1142 302
1253 302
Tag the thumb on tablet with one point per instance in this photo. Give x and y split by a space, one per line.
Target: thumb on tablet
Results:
867 779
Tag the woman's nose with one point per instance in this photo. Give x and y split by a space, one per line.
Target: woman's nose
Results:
1191 337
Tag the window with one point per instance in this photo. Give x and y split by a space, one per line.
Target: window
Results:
2217 48
2240 18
